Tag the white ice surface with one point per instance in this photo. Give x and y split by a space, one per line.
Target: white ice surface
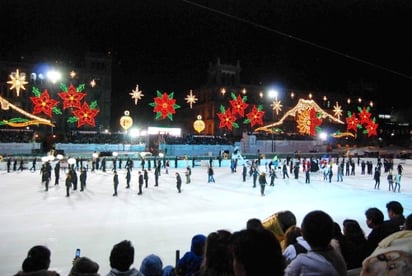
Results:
162 220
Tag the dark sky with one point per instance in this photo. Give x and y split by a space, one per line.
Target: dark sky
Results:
315 45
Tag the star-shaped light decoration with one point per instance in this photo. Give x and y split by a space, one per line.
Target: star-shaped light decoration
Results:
136 94
17 81
191 99
276 106
337 110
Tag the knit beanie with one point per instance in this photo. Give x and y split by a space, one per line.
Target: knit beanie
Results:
152 266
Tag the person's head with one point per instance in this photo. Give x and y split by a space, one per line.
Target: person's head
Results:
374 217
291 234
254 223
217 255
352 229
84 266
408 222
122 256
198 244
337 231
394 208
152 265
256 253
317 229
38 258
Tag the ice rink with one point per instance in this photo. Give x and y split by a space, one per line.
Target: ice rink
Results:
161 220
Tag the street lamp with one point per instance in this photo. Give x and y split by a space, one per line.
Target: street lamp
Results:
273 94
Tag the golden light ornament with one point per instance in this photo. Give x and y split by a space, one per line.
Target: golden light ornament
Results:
35 120
126 121
191 99
72 74
199 125
294 112
17 81
136 94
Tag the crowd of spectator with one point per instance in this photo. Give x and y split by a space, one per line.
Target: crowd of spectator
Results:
273 246
82 137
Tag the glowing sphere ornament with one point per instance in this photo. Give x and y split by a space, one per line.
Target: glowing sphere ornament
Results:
126 121
199 125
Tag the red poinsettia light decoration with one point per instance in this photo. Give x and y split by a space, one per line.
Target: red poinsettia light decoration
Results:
371 128
164 105
364 115
227 119
352 122
85 115
255 116
315 121
43 103
238 105
71 96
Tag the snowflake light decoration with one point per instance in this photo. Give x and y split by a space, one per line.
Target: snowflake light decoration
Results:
17 81
337 110
136 94
191 99
276 106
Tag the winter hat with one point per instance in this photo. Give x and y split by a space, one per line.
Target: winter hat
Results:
198 243
84 266
152 266
168 270
38 258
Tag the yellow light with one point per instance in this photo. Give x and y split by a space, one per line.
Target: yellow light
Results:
17 81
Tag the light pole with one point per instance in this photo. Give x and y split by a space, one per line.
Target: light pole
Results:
273 95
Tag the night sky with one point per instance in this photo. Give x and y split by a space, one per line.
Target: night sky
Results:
346 47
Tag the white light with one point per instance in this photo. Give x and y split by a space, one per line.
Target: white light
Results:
54 76
59 156
71 161
161 154
115 154
134 132
273 94
323 136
